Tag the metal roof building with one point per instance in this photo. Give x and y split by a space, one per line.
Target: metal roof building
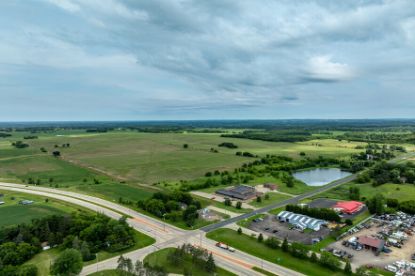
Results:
242 192
301 221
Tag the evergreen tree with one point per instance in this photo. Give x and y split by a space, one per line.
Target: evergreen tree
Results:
348 268
210 264
284 245
85 252
313 257
239 230
260 237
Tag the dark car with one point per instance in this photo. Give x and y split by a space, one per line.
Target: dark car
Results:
387 250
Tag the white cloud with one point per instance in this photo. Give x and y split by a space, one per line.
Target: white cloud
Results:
324 69
67 5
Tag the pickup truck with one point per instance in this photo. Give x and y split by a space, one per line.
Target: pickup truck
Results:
225 246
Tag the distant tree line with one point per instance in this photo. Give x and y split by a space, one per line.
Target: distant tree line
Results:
30 137
273 135
4 135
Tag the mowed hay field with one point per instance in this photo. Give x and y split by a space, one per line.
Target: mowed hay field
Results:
152 157
13 213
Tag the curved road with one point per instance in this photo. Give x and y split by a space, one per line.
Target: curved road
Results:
166 235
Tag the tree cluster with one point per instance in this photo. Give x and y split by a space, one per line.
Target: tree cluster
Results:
20 145
319 213
173 206
384 172
228 145
199 257
354 193
125 265
30 137
82 232
300 251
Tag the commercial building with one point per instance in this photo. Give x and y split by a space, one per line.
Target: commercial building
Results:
348 207
301 221
372 243
242 192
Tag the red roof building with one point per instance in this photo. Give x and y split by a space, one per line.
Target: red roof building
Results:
372 243
348 207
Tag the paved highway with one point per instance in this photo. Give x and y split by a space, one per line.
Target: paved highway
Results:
166 235
292 200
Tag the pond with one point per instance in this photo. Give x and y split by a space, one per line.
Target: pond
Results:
320 176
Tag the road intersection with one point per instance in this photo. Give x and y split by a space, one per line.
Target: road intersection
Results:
165 235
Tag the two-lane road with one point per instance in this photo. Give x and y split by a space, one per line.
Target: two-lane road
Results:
292 200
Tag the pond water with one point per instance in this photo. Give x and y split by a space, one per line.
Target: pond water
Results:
320 176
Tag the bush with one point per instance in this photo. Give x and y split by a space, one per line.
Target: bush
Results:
69 262
272 243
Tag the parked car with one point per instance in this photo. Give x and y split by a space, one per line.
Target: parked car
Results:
387 250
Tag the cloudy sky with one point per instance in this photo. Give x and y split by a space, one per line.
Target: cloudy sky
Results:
216 59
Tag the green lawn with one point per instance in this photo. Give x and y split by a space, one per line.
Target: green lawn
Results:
252 246
160 258
273 198
246 222
12 213
43 261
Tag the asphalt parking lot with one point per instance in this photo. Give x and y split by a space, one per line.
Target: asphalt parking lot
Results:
270 226
328 203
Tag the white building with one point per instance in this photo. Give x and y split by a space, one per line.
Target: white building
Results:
301 221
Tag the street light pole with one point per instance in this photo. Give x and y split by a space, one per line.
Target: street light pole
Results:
96 255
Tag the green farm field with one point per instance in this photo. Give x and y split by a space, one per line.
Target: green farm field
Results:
153 157
13 213
401 192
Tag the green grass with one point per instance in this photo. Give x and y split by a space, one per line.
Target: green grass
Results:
263 271
110 272
246 222
400 192
154 157
273 198
160 258
43 261
110 191
230 208
12 213
45 167
252 246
